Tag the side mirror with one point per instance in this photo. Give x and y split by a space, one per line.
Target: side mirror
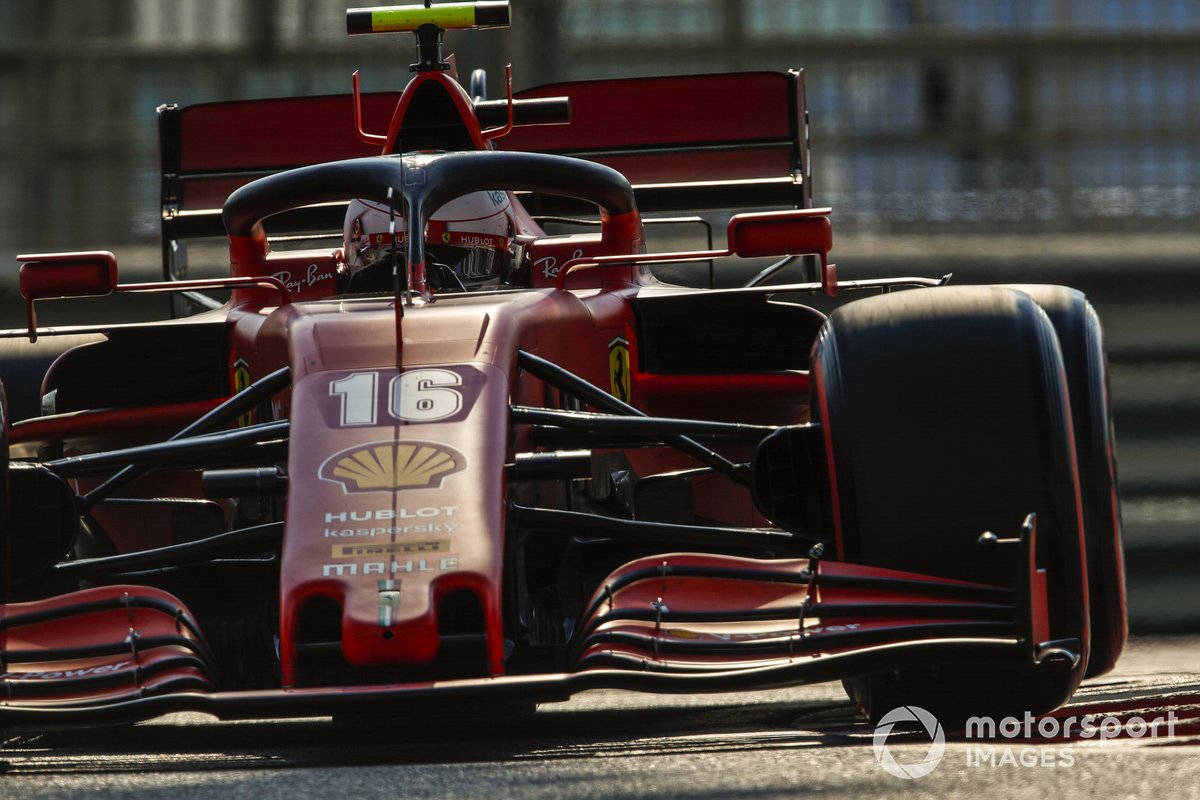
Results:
49 275
801 231
795 232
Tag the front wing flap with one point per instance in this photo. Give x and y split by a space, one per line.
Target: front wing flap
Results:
97 647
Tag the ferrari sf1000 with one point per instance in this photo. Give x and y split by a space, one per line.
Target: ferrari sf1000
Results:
449 434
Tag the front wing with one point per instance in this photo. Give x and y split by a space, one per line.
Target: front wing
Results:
678 623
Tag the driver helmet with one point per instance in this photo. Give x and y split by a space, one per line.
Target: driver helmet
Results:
468 242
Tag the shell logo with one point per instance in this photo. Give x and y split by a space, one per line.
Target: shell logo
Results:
392 466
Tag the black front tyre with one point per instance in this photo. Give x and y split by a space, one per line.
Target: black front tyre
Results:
1082 342
945 415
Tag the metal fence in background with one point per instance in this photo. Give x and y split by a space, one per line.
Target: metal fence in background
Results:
968 115
975 116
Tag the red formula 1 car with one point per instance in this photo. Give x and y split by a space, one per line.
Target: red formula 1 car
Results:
446 458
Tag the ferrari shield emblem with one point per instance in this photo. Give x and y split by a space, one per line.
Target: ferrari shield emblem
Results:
241 382
618 368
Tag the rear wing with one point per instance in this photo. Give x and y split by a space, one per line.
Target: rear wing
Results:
688 142
206 151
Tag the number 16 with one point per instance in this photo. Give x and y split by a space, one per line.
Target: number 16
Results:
421 395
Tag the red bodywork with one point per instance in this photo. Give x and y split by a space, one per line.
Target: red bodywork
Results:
404 529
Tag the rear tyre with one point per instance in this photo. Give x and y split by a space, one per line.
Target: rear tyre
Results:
945 415
24 364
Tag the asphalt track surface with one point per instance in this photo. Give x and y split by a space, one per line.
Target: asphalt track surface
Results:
779 744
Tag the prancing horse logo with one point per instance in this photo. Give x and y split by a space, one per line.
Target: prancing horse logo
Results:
618 368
